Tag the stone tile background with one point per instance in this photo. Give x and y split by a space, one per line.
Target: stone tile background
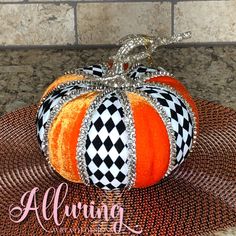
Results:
209 20
91 22
106 23
36 24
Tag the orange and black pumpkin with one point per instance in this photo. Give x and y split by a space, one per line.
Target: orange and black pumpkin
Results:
115 129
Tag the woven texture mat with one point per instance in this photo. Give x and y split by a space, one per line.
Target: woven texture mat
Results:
197 198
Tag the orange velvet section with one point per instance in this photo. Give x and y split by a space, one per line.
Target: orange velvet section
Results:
152 142
180 88
63 136
62 79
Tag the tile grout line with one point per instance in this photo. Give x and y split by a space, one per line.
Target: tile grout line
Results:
81 2
75 24
94 1
172 18
94 46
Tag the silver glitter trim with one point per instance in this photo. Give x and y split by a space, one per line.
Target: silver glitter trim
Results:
129 124
160 110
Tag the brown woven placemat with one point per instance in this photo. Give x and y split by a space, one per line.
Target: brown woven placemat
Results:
197 198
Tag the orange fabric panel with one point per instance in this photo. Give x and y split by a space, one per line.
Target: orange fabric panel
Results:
152 142
63 136
180 88
60 80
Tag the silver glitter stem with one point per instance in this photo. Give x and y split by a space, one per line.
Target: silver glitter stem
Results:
150 43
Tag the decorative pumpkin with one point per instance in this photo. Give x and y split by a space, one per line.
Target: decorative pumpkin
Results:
119 125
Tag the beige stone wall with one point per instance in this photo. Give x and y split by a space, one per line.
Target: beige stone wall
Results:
55 22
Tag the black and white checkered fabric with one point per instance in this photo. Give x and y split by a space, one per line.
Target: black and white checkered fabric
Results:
140 70
96 70
107 154
44 111
106 146
181 121
136 73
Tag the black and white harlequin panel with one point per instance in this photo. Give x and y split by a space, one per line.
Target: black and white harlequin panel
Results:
47 106
96 70
178 113
137 72
106 146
